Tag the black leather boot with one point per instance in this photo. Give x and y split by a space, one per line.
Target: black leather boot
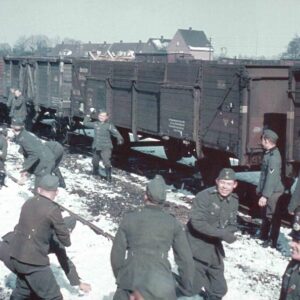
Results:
108 174
264 229
2 179
95 170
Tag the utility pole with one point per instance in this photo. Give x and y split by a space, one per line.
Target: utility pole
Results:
210 48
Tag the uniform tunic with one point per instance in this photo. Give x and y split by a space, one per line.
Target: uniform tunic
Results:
290 289
38 159
18 109
146 236
30 245
102 144
211 218
103 133
270 176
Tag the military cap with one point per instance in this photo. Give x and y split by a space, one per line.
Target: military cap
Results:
270 135
49 182
227 174
17 123
156 190
295 233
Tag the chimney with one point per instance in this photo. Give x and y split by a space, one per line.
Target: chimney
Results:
104 42
140 41
161 37
121 41
190 28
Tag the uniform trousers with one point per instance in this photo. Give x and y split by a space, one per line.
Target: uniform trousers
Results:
271 217
34 281
105 155
211 277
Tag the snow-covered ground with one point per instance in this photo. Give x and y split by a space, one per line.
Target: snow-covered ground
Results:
252 272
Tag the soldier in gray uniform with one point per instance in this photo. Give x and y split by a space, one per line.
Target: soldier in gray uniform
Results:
17 105
269 189
40 217
139 255
213 219
58 152
38 158
102 144
290 289
3 154
56 247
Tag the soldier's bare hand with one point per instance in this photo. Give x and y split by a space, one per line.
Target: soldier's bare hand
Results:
23 178
85 287
262 201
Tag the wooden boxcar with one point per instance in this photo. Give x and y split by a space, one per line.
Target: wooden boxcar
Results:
216 109
45 82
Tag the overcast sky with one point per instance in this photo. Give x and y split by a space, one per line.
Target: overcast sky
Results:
247 27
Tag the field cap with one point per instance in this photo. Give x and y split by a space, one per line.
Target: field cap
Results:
17 122
270 135
227 174
156 190
49 182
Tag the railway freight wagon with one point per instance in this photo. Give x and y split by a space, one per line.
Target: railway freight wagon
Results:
214 111
45 82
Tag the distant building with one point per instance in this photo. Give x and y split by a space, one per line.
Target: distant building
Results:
156 45
87 50
191 42
124 51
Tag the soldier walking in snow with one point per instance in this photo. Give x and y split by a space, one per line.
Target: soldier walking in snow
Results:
269 189
102 144
139 255
213 219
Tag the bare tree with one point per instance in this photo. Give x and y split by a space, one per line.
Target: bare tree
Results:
5 49
71 41
293 49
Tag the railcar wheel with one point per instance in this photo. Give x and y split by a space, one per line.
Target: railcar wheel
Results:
173 150
210 166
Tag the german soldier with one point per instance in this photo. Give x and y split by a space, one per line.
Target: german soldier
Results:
269 189
38 159
56 247
40 217
213 220
17 106
58 151
290 289
3 154
139 255
102 144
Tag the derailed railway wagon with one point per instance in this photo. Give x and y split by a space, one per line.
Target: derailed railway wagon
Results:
216 112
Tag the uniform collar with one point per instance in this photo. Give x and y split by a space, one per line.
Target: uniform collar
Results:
271 150
215 191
